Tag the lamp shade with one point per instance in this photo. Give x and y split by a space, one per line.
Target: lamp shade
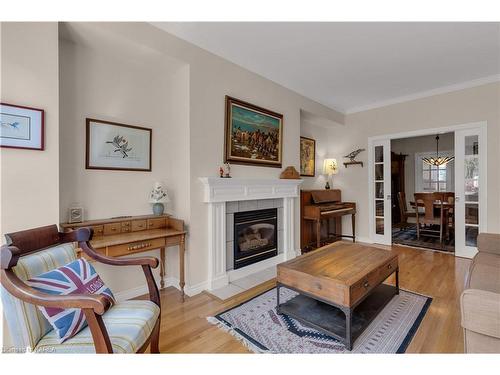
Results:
330 167
158 194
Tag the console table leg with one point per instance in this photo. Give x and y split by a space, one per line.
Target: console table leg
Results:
162 267
182 250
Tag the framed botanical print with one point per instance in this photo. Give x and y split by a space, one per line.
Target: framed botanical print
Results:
21 127
307 157
115 146
253 134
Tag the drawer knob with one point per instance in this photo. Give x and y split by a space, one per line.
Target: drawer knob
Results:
389 266
366 284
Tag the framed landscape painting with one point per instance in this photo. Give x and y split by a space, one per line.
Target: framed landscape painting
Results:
307 157
115 146
253 134
21 127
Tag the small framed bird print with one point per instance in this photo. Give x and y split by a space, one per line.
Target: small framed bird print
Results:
21 127
115 146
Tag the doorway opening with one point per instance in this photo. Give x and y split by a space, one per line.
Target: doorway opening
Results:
423 192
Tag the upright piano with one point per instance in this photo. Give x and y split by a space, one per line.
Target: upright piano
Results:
321 211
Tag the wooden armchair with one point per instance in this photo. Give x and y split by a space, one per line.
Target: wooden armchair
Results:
110 329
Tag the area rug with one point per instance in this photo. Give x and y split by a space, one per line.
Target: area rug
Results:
408 237
257 325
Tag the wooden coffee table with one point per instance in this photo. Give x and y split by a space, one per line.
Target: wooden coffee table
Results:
340 288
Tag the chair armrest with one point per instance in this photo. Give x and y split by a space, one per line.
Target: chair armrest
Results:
145 262
15 286
488 243
481 311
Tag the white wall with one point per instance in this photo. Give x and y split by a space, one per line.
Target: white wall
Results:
210 79
29 77
417 145
152 93
29 180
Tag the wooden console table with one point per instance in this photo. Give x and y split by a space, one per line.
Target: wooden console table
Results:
137 234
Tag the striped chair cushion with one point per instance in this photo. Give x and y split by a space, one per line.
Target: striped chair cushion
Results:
129 324
77 277
26 323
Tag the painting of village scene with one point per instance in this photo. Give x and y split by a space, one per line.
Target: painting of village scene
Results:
253 134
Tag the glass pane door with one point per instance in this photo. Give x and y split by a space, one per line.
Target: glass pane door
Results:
469 182
380 191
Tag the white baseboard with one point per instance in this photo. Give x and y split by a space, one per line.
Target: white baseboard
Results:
364 239
190 290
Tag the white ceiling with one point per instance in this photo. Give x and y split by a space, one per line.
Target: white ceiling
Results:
355 66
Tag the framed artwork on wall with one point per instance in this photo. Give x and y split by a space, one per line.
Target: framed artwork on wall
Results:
21 127
115 146
307 157
253 135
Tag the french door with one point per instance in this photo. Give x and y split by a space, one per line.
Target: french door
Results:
470 189
379 162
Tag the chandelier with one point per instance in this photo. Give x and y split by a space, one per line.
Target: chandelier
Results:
438 160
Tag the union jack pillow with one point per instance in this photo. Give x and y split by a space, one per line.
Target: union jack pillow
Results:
74 278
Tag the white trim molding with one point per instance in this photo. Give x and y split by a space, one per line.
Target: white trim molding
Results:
218 191
425 94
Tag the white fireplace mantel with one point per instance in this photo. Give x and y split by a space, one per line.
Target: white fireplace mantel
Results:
218 191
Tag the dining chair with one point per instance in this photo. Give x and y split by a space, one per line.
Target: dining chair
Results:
403 209
449 197
125 327
428 217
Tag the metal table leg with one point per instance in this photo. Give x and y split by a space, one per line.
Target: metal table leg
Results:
348 329
278 286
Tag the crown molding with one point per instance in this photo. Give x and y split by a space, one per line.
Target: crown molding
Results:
425 94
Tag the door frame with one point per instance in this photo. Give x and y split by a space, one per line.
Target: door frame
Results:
482 126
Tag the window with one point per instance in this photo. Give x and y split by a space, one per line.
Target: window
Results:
431 178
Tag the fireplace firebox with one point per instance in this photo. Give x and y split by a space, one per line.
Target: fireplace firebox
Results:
255 236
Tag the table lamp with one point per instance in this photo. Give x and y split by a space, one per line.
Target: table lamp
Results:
157 197
330 167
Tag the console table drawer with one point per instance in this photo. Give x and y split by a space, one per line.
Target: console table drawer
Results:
98 230
113 228
133 247
138 225
157 223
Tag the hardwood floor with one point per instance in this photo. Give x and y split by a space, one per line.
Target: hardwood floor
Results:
184 327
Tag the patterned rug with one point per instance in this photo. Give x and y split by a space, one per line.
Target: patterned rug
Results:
256 324
408 237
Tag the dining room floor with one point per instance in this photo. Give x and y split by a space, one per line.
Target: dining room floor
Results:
408 237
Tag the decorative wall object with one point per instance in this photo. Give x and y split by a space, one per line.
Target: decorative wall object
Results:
21 127
253 134
157 197
115 146
307 157
352 158
75 214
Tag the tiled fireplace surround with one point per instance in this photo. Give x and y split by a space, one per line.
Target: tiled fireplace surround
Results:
227 196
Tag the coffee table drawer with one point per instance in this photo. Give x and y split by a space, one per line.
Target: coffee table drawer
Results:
388 268
363 287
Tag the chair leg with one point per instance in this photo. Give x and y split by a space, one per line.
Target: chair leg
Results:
155 338
418 229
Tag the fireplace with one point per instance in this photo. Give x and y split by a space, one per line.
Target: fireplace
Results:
255 236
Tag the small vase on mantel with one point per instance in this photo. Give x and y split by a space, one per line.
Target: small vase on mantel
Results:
158 196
